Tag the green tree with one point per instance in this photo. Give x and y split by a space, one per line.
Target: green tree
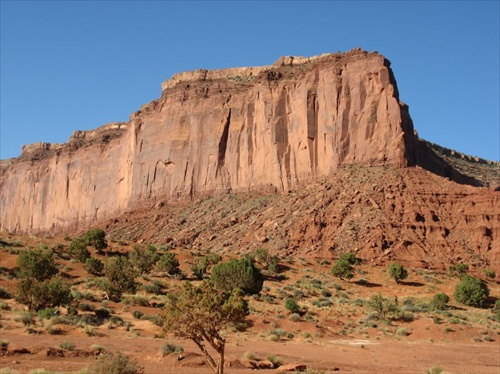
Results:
200 267
343 269
471 291
36 265
38 295
351 258
96 238
78 250
215 311
169 264
94 266
119 277
238 273
439 301
397 272
382 306
143 259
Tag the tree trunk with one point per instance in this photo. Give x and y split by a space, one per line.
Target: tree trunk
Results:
221 357
209 358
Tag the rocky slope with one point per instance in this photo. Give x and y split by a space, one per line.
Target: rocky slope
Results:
270 128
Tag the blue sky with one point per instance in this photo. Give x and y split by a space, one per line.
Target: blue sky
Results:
76 65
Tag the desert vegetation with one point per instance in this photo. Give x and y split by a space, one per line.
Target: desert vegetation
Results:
166 297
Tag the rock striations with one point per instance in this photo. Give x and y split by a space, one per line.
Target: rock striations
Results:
264 128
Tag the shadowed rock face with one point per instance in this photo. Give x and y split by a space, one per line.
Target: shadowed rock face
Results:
213 131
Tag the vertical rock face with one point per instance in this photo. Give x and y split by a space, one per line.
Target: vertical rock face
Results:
212 131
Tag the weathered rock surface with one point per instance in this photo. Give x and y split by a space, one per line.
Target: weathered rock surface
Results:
264 128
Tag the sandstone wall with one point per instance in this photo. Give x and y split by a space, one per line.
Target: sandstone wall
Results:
249 128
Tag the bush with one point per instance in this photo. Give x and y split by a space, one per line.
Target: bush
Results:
137 314
168 348
78 250
39 295
471 291
169 264
350 258
439 301
118 363
143 260
200 267
70 346
93 266
343 269
4 294
383 307
96 238
459 269
489 273
291 305
241 274
397 272
119 277
36 265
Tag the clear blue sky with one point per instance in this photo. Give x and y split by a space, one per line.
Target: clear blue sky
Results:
68 65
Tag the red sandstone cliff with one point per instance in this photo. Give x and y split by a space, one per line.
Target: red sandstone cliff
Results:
233 129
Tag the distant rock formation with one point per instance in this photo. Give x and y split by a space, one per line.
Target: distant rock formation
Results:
270 128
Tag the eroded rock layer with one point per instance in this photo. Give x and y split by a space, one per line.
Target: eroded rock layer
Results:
268 128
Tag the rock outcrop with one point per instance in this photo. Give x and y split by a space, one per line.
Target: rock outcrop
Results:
270 128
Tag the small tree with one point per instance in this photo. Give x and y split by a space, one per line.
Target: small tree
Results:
382 306
169 264
343 269
143 259
240 273
397 272
35 264
119 277
200 267
201 314
471 291
350 257
96 238
38 285
439 301
46 294
78 250
94 266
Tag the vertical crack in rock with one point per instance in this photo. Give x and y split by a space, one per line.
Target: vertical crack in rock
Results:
312 129
344 137
281 136
223 144
250 124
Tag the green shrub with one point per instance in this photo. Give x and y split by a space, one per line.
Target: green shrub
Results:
168 348
459 269
397 272
292 306
439 301
343 269
94 266
168 263
119 277
36 265
118 363
200 267
137 314
383 307
489 273
78 250
70 346
238 273
96 238
142 259
350 258
39 295
471 291
47 313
